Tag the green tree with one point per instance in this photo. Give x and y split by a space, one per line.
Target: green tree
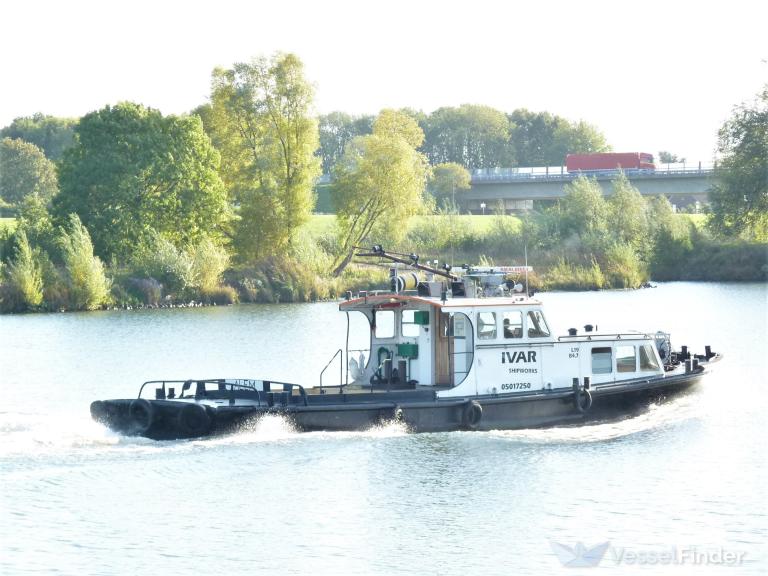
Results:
672 239
260 119
544 139
133 171
471 135
88 284
577 138
378 184
584 211
533 137
447 180
52 135
336 129
739 199
35 220
25 172
627 213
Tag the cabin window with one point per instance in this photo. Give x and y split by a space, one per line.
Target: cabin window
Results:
537 326
601 361
486 326
648 361
513 324
408 326
385 323
625 359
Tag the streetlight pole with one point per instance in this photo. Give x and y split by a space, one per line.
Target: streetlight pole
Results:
482 206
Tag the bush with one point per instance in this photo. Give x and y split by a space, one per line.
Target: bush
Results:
147 291
25 280
567 276
622 267
161 260
221 295
89 287
209 262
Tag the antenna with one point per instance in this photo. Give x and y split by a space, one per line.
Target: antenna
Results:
525 248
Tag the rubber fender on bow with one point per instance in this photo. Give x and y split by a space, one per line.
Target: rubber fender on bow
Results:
397 414
141 415
583 400
473 414
193 420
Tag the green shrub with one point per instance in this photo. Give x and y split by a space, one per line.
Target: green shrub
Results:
567 276
209 262
89 287
24 276
622 267
161 260
221 295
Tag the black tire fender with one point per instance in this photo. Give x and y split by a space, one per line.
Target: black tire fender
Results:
472 415
397 413
141 415
193 420
98 411
583 401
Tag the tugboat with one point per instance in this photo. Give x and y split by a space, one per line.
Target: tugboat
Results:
465 349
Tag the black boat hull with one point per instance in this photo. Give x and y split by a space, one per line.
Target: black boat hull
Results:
418 411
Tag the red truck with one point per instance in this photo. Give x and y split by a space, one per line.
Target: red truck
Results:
609 161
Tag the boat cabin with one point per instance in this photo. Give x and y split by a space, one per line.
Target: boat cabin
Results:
497 345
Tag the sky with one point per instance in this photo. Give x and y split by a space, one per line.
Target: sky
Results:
651 75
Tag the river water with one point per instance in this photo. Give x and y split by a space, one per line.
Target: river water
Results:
677 489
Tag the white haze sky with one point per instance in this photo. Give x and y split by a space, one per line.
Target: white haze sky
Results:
651 75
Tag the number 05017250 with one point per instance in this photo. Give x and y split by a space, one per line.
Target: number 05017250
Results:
516 386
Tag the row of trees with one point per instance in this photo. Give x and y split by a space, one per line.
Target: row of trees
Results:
238 174
474 136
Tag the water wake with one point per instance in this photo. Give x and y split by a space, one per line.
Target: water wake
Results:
656 417
30 434
24 434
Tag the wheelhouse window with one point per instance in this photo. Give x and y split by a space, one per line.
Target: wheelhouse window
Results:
513 324
385 323
537 326
408 326
625 359
601 361
648 362
486 326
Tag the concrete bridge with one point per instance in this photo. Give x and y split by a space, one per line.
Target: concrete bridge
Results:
519 187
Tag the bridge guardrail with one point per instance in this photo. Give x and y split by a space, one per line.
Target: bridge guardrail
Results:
556 173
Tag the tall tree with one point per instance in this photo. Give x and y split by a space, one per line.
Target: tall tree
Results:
261 121
627 211
25 172
470 135
378 183
51 134
739 199
133 171
577 138
447 180
533 137
544 139
336 129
